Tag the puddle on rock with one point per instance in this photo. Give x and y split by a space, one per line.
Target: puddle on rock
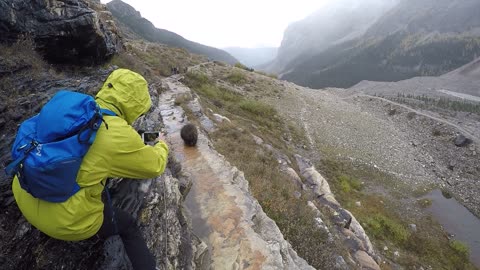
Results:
458 221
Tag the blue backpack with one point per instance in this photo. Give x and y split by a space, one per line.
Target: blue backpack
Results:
50 146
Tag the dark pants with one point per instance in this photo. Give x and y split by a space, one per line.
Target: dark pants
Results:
132 239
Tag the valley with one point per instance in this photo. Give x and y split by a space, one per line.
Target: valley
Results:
398 153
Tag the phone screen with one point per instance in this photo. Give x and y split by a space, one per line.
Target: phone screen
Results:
150 136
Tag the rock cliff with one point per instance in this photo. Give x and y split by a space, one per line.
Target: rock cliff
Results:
65 31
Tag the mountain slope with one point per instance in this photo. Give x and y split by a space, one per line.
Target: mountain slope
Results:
464 80
428 38
396 153
133 23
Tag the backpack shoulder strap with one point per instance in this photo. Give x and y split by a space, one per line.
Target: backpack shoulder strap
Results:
107 112
14 167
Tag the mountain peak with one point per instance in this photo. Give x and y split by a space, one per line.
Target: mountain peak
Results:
123 8
134 25
393 41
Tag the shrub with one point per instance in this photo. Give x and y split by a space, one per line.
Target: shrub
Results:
348 183
182 99
237 77
258 108
460 248
22 55
345 186
446 194
217 93
436 132
240 65
424 203
383 227
411 115
271 75
196 79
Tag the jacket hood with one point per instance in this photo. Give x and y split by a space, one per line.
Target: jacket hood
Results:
126 94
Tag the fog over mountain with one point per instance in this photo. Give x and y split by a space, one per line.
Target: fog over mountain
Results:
253 57
350 41
337 22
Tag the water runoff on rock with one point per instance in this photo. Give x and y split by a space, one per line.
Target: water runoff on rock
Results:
223 213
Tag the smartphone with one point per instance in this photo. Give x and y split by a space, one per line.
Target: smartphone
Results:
150 136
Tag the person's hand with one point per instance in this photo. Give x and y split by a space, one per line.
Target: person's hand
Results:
161 137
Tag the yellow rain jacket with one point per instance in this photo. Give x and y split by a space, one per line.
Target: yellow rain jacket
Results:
116 152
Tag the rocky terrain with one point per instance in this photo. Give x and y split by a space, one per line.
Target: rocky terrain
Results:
403 151
222 210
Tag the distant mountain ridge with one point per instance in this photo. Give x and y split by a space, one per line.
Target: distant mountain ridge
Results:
253 57
413 38
135 26
336 22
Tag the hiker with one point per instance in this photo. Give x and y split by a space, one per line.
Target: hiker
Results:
117 151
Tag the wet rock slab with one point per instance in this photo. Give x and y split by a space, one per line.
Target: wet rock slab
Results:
224 214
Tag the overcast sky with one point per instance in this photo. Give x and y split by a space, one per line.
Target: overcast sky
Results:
226 23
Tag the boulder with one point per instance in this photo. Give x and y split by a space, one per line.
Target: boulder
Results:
257 140
64 31
462 141
340 263
452 164
365 261
220 118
